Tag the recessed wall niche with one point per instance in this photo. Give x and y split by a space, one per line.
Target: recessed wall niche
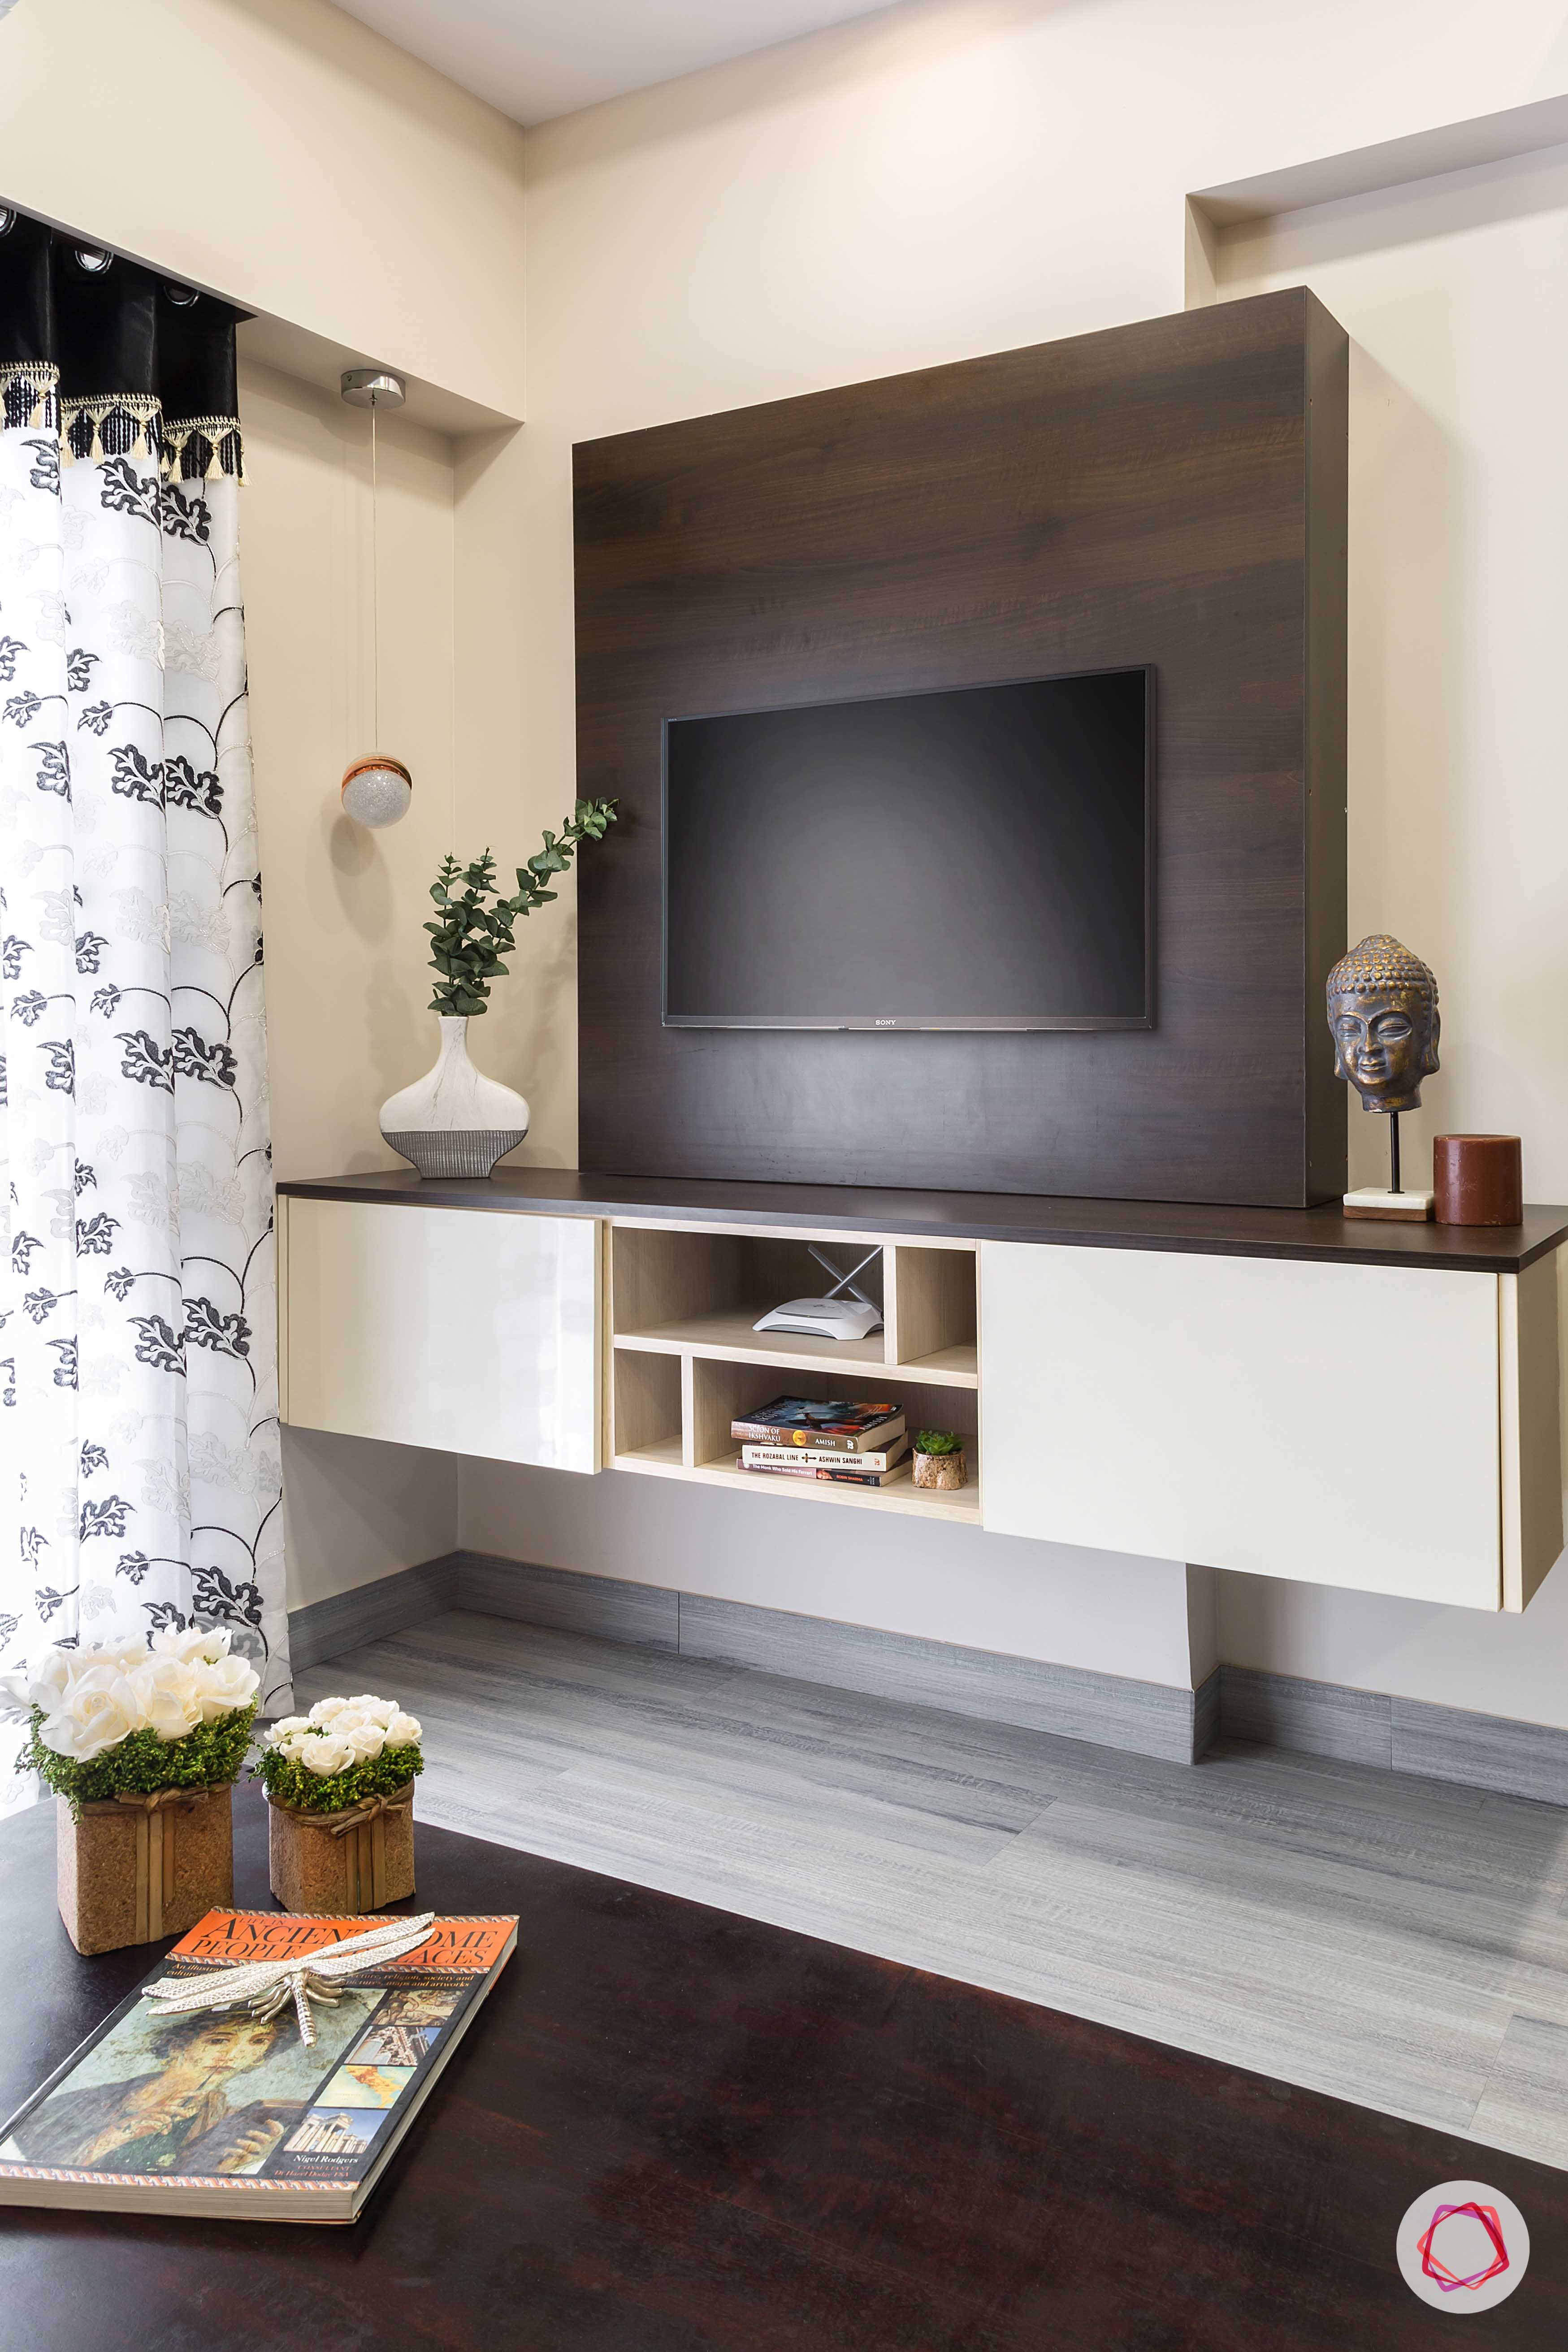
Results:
1171 492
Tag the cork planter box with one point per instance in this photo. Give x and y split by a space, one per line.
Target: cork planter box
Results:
946 1471
132 1870
340 1789
358 1859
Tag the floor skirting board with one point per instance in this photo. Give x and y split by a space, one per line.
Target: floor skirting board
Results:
324 1628
1439 1743
610 1608
1114 1710
1403 1734
1148 1718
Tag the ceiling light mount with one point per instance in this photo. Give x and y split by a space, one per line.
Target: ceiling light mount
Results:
373 388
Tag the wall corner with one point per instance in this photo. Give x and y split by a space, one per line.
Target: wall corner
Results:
1202 1622
1201 272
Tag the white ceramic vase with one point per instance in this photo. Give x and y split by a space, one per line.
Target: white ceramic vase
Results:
453 1122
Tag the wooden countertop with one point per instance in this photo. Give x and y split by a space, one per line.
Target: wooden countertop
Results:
1323 1234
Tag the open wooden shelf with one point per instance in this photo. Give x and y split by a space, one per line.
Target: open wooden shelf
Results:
686 1359
729 1333
955 1368
663 1461
663 1458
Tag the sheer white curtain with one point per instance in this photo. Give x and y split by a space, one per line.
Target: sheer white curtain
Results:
139 1457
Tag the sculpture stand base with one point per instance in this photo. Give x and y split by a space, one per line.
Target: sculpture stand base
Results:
1398 1208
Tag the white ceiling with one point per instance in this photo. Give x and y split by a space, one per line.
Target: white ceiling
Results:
539 58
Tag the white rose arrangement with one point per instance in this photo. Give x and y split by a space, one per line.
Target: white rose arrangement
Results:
344 1750
174 1711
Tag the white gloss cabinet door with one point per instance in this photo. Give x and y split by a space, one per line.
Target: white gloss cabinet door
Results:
464 1330
1335 1424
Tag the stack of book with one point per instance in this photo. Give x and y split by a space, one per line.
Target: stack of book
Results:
849 1444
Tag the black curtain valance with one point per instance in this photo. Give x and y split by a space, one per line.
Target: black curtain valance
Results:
113 356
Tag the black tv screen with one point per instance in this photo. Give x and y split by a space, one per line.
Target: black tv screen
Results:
980 859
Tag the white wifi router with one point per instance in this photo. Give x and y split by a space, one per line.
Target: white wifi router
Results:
835 1316
831 1318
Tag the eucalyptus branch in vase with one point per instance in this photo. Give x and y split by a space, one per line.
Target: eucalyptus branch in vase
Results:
454 1121
477 925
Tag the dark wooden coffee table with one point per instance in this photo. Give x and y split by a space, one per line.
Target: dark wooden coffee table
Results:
672 2130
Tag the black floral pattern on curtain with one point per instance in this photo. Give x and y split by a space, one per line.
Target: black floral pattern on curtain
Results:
139 1454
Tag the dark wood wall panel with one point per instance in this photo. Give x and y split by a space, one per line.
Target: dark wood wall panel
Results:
1172 492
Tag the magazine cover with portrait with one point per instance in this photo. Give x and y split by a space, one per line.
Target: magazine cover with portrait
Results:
226 2111
202 2094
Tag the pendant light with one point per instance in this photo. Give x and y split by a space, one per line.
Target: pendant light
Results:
376 791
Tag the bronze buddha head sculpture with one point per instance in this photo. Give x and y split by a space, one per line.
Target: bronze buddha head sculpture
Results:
1383 1015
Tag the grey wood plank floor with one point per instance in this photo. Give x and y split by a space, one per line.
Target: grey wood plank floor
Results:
1402 1943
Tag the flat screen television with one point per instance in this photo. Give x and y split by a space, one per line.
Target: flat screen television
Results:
976 858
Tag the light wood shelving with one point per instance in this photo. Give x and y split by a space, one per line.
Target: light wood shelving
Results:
682 1302
663 1462
731 1336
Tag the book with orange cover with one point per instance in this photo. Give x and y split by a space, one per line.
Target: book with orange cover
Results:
227 2113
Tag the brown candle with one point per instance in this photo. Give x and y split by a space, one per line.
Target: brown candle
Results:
1478 1179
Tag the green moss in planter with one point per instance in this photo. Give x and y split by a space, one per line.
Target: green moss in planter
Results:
288 1784
213 1753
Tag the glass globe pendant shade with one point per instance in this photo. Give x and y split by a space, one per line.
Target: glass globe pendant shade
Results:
377 791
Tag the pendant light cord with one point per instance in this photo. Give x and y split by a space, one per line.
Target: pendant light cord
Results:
374 591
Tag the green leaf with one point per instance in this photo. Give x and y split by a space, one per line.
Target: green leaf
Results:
288 1782
479 929
213 1753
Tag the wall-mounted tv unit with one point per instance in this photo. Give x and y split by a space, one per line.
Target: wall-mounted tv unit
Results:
976 858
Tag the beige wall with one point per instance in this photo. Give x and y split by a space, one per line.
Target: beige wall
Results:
939 180
516 761
1459 736
279 152
353 1510
1458 619
346 982
346 985
1090 1609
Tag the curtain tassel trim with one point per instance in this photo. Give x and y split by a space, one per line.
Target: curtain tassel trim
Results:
29 396
198 447
118 425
